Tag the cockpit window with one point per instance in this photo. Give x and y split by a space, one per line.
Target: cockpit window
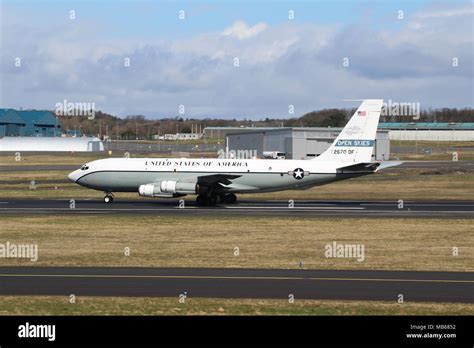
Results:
85 167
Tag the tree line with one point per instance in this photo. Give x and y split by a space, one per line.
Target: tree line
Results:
139 127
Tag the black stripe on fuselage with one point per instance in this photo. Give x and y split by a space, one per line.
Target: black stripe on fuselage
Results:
210 173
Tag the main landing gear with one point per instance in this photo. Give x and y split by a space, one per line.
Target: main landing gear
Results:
213 199
109 197
230 198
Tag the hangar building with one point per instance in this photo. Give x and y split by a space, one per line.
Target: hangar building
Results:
296 143
429 131
50 144
28 123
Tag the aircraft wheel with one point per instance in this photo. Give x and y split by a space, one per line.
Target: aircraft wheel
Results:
108 199
221 199
201 200
230 198
213 200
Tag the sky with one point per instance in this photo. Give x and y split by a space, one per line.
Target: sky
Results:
234 59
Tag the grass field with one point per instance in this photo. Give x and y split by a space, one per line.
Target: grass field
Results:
432 150
154 241
76 159
56 305
432 144
436 156
50 159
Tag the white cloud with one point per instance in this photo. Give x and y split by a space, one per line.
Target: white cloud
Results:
456 12
241 30
290 63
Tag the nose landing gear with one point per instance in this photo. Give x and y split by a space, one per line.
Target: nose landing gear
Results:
109 197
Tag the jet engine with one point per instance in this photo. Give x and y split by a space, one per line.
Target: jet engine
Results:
167 188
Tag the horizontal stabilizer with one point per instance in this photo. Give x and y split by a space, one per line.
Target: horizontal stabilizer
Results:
388 164
369 167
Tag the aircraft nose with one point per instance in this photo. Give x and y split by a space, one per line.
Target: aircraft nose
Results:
73 176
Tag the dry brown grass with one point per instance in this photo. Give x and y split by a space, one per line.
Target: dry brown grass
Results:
66 158
56 305
464 155
50 159
406 244
34 175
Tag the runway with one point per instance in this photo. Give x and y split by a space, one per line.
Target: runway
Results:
240 283
306 208
454 165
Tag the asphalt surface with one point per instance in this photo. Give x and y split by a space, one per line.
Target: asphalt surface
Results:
440 165
306 208
240 283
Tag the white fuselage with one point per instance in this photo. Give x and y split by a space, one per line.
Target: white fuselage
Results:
252 175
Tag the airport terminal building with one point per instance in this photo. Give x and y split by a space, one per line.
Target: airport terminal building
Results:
295 143
40 123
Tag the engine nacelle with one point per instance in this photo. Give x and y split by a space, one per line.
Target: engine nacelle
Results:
178 187
167 188
149 190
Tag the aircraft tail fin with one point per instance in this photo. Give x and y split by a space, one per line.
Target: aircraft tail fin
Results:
356 141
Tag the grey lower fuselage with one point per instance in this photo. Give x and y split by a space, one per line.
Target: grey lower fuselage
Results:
130 181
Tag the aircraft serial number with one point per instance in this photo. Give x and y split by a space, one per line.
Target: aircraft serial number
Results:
342 152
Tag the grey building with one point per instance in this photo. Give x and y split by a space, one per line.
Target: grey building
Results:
222 132
296 143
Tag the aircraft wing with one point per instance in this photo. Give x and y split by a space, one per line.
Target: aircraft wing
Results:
213 179
224 181
388 164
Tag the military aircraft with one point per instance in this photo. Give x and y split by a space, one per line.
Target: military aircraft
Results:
216 181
